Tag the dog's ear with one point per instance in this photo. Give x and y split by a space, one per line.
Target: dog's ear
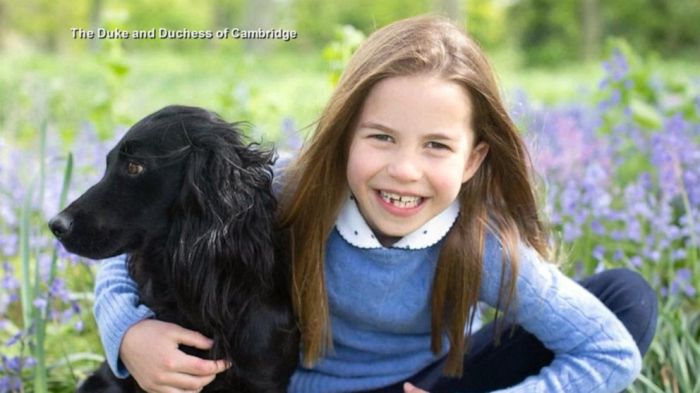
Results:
222 238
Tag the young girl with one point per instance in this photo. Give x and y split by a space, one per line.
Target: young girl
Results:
411 203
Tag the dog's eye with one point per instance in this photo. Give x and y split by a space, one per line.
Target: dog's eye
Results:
134 168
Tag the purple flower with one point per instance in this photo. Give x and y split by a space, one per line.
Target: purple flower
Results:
682 282
14 339
678 254
572 231
8 244
44 262
10 383
599 253
634 230
29 362
58 290
40 303
75 306
597 227
9 283
653 255
12 364
617 235
619 255
617 66
636 261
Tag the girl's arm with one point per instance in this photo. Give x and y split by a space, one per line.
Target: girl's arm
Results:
149 348
593 350
116 308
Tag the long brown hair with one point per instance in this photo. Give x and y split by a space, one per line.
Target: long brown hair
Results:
499 197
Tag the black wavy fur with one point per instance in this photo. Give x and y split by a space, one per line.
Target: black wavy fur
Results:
192 206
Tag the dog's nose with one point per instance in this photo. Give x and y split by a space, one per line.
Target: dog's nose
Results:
61 225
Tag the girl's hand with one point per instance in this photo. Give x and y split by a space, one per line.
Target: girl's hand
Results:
408 388
150 352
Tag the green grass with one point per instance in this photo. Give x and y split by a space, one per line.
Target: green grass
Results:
261 89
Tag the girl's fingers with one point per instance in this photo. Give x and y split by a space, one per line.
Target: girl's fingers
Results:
192 365
409 388
150 351
191 338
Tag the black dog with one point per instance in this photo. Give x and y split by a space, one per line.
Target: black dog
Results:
192 206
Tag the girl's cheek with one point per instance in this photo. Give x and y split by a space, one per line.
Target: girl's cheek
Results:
448 181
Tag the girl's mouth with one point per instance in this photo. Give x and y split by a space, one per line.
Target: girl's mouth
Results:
400 201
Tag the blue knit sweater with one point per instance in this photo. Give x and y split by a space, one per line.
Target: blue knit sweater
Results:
380 314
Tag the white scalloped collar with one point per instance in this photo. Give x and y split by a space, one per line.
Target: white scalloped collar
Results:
354 229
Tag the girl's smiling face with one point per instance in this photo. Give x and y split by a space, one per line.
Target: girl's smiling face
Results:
411 150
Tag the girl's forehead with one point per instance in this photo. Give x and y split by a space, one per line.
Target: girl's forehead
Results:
423 101
426 88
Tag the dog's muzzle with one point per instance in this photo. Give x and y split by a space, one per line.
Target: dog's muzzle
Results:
61 225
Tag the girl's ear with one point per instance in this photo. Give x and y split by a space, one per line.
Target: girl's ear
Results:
476 157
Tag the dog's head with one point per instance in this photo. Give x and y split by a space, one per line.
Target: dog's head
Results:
179 172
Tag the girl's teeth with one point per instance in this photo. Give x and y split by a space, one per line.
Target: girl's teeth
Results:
401 201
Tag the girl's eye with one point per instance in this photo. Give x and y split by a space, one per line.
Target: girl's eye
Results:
438 146
381 137
134 168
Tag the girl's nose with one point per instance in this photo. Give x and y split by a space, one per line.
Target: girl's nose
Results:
404 168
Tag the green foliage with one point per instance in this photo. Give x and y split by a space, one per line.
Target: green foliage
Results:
548 29
35 293
487 23
317 19
45 22
337 53
664 27
547 32
114 69
635 90
674 357
551 31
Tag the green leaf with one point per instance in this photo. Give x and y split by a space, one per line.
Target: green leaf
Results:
26 292
645 115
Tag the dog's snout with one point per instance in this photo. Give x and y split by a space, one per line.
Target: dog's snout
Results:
61 225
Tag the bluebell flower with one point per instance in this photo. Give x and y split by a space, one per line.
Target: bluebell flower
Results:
636 261
618 255
58 290
571 231
599 253
10 383
678 254
12 364
14 339
8 244
597 227
40 303
634 230
682 282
